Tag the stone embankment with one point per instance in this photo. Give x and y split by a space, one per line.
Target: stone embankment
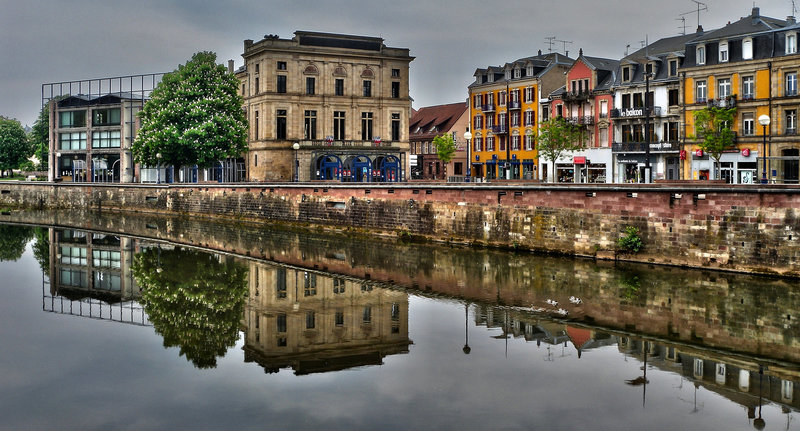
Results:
738 228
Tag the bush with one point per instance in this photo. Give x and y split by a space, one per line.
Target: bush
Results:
630 242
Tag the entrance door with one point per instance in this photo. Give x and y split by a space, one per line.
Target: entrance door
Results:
791 168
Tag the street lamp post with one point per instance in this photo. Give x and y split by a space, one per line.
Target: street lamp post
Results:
648 176
295 147
508 135
158 168
764 120
467 137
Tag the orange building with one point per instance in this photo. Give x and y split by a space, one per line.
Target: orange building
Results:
504 113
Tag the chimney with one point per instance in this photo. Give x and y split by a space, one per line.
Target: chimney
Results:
790 20
230 66
699 29
756 12
540 52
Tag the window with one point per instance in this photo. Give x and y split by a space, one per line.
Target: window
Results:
476 122
748 124
528 118
280 124
106 139
791 43
626 74
791 84
747 48
723 87
517 73
106 117
672 95
673 67
257 68
280 283
515 119
366 315
396 127
281 322
310 84
395 90
281 65
73 119
648 68
106 259
73 141
747 87
476 101
311 320
700 91
478 144
338 125
310 125
604 109
338 87
791 122
701 54
529 142
490 143
309 284
256 86
73 255
626 101
515 143
281 84
366 126
723 52
255 126
395 73
529 95
339 318
501 98
367 88
489 121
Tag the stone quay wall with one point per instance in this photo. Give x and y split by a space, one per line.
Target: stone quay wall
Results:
738 228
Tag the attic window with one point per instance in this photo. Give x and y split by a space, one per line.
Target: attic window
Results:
626 74
530 71
747 48
368 73
648 68
723 52
791 43
701 54
433 129
517 72
311 70
673 67
339 71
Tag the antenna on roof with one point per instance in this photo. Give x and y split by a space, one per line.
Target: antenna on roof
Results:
700 7
683 25
627 47
550 40
794 7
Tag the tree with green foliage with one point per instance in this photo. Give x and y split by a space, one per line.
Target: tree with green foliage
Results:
194 116
13 240
445 149
712 127
39 138
194 300
14 148
556 137
41 247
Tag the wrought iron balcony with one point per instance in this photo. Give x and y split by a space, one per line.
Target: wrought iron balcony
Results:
724 102
576 96
343 143
514 105
488 107
501 128
791 131
641 147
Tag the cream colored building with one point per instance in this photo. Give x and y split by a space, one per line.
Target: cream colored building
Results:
343 99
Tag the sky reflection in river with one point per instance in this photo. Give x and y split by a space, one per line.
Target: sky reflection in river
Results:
523 369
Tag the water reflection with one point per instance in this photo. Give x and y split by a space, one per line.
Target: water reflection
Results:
13 240
313 304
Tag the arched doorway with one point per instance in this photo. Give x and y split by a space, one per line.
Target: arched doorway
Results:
358 169
389 168
329 167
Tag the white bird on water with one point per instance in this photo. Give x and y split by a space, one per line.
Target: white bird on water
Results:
552 302
575 300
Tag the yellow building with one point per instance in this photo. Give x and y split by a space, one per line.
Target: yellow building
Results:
505 111
750 64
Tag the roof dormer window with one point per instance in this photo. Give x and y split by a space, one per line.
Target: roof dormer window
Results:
747 48
626 74
700 54
723 52
517 72
508 73
791 43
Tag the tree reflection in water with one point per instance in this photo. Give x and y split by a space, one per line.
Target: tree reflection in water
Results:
13 240
194 300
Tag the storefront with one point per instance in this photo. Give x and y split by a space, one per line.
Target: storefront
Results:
630 161
592 165
735 167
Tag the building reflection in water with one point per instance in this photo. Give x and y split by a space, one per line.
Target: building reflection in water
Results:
313 322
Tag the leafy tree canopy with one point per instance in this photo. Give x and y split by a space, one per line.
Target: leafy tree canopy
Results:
39 137
13 240
445 149
194 116
14 148
558 136
193 300
713 129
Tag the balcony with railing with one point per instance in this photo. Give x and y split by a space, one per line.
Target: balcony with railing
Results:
377 142
499 129
514 105
489 107
641 147
576 96
790 131
723 102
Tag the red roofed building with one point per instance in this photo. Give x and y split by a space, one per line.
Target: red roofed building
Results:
429 122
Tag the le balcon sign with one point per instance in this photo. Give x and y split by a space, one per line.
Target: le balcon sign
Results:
631 112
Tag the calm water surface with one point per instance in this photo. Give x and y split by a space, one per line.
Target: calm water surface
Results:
211 327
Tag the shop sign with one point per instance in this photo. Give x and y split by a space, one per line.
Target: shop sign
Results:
683 154
579 160
699 153
746 152
631 112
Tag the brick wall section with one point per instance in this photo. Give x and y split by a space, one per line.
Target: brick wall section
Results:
735 228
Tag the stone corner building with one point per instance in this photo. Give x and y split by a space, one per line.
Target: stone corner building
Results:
343 99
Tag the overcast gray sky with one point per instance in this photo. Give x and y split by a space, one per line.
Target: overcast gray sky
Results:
50 41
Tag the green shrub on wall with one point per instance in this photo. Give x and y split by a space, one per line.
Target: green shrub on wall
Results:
630 241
